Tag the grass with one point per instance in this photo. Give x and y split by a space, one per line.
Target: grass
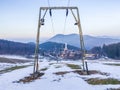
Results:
44 69
112 64
97 81
73 66
62 73
90 72
13 68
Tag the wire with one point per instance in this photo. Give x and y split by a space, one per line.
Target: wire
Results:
52 25
51 18
64 28
68 3
48 3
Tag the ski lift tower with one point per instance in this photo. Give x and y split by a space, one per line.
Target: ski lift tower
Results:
43 11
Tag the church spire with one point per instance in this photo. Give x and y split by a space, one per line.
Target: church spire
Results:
65 47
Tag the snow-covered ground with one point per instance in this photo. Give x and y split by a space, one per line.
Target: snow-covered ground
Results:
69 81
13 57
7 61
5 65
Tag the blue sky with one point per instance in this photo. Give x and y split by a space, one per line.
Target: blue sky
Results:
19 18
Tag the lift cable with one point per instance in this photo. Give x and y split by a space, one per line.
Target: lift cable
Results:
66 16
50 12
68 3
67 11
64 27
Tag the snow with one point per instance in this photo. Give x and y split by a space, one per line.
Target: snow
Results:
13 57
5 65
51 81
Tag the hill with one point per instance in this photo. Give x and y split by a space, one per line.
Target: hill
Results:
17 48
53 46
90 41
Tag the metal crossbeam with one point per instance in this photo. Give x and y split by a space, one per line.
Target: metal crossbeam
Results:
58 8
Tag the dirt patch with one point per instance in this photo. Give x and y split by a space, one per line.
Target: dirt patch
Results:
30 78
7 60
98 81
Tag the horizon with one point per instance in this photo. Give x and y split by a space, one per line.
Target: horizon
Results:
44 39
98 18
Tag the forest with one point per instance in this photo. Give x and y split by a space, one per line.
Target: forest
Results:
111 50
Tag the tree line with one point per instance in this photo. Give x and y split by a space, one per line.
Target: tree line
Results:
16 48
111 51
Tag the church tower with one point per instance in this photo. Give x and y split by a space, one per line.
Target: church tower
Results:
65 49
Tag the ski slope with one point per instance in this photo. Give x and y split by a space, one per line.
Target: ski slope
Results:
68 81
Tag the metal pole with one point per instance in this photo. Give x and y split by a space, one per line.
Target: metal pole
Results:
81 39
37 45
86 67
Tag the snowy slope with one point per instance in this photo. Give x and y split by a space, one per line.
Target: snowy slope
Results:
51 81
13 57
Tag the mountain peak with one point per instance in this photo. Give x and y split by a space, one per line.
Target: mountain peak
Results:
90 41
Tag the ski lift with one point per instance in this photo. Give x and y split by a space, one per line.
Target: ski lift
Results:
42 21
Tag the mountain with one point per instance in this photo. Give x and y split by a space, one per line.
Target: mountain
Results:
90 41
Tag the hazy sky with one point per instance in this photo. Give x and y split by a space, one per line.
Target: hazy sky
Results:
19 18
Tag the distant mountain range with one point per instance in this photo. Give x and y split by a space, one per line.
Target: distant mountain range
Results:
90 41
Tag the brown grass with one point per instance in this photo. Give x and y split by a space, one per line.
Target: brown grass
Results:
62 73
30 78
73 66
97 81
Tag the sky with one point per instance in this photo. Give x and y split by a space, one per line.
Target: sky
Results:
19 18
